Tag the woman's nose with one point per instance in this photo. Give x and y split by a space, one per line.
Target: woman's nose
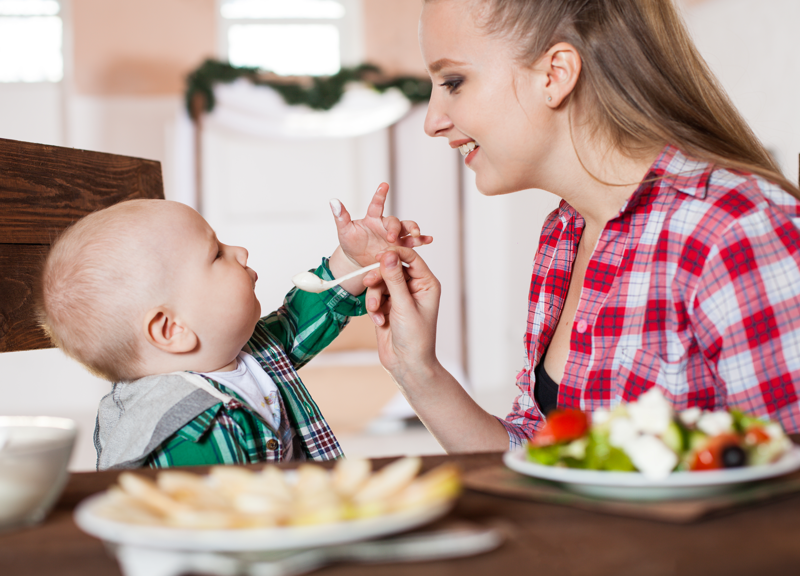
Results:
437 123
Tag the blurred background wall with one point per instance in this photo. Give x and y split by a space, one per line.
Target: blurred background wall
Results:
124 65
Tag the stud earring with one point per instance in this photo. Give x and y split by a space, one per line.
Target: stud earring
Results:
549 98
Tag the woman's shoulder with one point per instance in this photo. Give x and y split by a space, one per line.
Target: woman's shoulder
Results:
725 195
743 193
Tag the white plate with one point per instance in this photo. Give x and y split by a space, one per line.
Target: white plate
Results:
634 486
252 539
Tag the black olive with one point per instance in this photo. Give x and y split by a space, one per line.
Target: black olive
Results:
733 457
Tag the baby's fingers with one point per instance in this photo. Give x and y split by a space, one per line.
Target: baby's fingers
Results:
410 235
393 229
340 214
412 242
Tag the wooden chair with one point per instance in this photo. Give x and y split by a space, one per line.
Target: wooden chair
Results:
44 189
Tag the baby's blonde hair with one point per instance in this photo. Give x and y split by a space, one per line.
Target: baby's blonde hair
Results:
95 286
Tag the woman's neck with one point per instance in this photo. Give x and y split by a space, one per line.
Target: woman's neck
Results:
594 177
599 186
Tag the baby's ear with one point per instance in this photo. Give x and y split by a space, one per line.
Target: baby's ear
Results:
166 331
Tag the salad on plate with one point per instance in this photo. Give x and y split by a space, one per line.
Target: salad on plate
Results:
649 436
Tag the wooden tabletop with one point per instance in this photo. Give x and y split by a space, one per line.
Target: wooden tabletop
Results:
541 539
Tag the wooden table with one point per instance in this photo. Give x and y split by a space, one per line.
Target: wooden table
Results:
542 539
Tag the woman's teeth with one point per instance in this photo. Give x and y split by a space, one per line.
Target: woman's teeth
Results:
467 148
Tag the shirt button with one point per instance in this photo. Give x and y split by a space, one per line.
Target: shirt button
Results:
581 327
272 444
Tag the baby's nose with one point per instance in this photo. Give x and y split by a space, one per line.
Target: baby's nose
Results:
241 255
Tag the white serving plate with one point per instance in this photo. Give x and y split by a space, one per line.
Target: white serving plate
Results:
251 539
634 486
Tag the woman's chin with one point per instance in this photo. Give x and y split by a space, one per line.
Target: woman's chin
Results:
494 188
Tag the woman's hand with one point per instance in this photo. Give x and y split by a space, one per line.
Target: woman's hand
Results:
404 304
362 240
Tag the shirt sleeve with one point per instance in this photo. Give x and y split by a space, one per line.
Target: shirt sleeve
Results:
307 322
746 315
525 418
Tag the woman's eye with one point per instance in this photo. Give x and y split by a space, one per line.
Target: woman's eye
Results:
451 84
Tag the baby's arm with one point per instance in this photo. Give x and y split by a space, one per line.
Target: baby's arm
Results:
360 241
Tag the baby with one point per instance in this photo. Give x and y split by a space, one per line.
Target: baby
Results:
145 295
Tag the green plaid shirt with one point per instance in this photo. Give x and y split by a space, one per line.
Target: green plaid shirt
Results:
283 342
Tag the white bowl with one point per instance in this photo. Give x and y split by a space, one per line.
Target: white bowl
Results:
34 454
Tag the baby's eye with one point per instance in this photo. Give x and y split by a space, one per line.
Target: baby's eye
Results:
452 84
219 255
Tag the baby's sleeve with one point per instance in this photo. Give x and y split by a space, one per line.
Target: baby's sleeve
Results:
307 323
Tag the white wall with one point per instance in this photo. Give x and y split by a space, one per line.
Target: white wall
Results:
501 240
751 44
754 49
32 113
426 189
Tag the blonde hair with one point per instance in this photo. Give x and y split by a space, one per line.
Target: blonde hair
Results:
93 288
643 83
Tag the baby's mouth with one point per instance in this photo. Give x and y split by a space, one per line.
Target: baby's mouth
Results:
468 147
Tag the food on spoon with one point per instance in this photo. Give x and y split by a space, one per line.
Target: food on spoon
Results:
237 497
649 436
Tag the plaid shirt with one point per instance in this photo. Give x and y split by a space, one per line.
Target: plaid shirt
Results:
694 287
283 342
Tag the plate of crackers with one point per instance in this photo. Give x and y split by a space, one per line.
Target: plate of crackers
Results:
236 509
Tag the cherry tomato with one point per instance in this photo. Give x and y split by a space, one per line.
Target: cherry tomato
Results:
755 435
562 426
722 451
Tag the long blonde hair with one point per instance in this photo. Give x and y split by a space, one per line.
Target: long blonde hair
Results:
643 83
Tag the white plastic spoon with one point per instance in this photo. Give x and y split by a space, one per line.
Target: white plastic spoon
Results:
310 282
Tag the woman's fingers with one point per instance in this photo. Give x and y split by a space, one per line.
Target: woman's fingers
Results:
376 298
394 276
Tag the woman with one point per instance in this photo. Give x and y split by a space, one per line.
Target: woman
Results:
674 257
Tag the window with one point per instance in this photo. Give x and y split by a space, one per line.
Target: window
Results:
291 37
30 41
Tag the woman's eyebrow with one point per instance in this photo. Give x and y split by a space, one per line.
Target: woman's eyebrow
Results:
443 63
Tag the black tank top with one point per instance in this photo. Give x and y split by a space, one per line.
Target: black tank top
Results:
545 390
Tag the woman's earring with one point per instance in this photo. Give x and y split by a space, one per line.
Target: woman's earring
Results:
549 98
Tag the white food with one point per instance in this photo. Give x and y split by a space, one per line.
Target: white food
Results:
651 414
715 423
622 432
690 416
651 457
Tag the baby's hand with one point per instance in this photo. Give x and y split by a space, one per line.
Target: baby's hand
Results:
362 240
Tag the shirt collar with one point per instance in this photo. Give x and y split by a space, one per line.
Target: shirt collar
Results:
672 169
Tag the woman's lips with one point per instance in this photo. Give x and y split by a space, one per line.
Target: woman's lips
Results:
468 149
471 156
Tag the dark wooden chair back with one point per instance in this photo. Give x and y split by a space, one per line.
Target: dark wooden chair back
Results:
44 189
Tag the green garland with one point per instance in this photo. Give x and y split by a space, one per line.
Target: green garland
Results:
317 92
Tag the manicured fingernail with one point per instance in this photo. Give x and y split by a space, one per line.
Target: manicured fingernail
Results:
336 207
391 260
377 320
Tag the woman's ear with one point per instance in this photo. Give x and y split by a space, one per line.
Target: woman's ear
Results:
562 67
167 332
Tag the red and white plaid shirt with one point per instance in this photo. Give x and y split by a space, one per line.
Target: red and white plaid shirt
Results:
694 287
